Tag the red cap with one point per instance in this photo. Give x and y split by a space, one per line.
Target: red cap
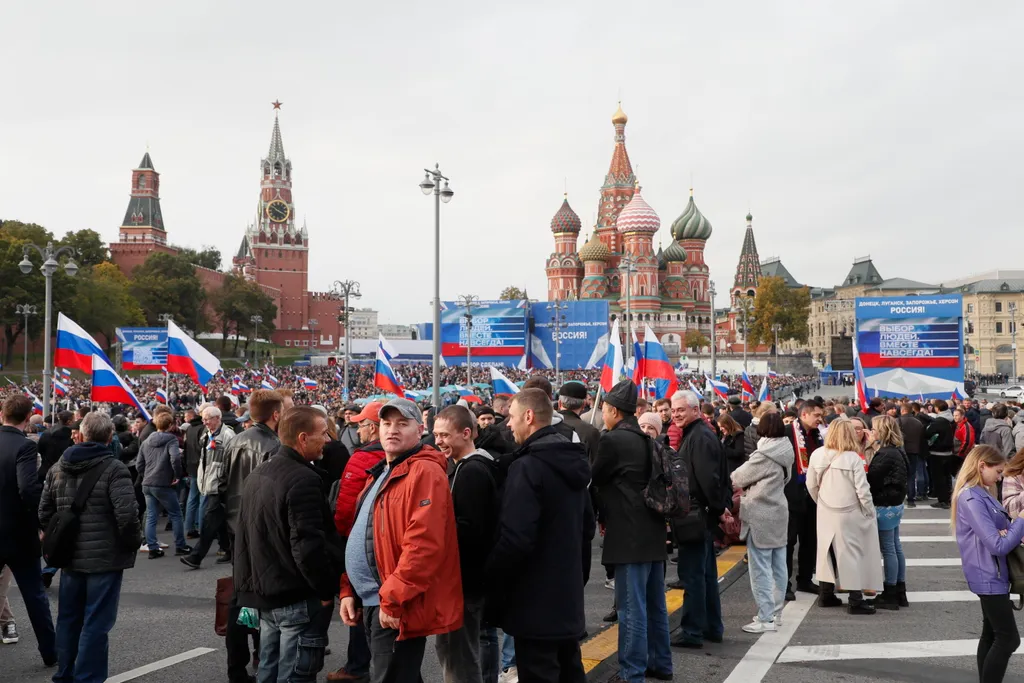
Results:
371 412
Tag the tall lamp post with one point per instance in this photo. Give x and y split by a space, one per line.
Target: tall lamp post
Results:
347 289
313 322
744 303
432 183
256 320
1013 337
627 266
468 301
714 325
557 318
776 328
50 265
165 318
25 310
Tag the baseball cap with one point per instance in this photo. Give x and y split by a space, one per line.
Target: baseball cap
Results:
370 412
407 408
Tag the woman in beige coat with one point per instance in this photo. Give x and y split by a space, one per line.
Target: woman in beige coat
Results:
848 552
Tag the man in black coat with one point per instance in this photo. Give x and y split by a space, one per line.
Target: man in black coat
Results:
541 559
805 436
284 564
193 451
634 540
913 444
20 488
54 441
737 412
710 495
572 396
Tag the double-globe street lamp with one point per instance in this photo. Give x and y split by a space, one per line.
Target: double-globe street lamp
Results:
432 183
557 319
166 318
50 265
313 322
346 289
468 301
25 310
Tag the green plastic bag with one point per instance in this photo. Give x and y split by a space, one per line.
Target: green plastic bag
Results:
249 617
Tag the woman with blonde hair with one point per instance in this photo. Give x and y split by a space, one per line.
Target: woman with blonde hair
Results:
985 536
1013 485
865 437
848 551
887 477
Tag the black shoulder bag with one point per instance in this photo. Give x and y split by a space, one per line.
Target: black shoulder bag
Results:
62 531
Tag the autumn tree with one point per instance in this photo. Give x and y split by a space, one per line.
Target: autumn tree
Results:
512 293
695 340
103 301
777 303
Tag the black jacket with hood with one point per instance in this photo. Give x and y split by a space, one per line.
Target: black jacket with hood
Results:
52 444
473 481
541 559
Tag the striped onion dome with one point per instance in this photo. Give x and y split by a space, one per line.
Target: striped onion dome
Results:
691 225
566 220
675 252
638 216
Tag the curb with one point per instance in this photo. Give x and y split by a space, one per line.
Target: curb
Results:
610 666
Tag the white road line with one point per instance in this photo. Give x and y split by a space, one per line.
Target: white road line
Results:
941 596
161 664
941 520
762 654
934 562
926 539
903 650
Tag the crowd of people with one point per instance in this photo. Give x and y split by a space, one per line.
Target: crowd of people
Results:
477 520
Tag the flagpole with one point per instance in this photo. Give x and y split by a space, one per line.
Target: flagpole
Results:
597 402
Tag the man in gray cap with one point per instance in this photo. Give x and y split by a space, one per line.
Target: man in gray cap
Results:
402 571
572 396
737 412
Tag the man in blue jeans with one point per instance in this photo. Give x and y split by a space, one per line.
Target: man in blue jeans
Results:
159 467
19 524
107 544
709 493
193 427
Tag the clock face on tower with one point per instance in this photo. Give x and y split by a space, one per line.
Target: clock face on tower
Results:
278 211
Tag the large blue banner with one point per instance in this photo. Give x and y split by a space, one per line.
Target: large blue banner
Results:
143 348
583 334
498 334
911 345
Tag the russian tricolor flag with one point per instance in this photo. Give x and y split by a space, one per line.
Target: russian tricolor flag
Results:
721 389
612 370
639 368
188 357
501 384
266 385
66 373
772 373
108 387
161 395
694 389
858 376
272 380
75 346
748 386
338 376
243 387
959 393
657 366
59 388
309 383
383 375
764 394
37 405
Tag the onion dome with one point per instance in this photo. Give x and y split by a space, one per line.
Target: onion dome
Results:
660 257
566 220
638 216
619 116
691 225
675 253
594 250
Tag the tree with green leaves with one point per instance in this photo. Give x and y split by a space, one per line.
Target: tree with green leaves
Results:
207 257
777 303
695 340
103 301
167 283
512 293
89 247
237 301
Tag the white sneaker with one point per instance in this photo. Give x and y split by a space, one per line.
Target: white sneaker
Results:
777 618
610 584
758 626
509 675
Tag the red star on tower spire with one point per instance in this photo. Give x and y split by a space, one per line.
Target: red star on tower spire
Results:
277 104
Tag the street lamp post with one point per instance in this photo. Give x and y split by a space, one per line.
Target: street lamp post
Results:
468 301
25 310
164 318
432 183
627 267
776 328
51 262
557 318
1013 337
714 324
256 320
744 303
313 322
346 289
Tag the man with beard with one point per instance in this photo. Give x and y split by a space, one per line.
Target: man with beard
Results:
805 435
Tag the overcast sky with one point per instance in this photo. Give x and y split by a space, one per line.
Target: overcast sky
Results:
881 128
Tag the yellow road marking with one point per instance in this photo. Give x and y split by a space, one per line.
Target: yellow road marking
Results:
606 643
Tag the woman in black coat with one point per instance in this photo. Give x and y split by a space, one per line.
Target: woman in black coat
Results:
887 477
732 441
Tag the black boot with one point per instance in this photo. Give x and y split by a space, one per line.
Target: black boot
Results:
827 595
858 605
888 599
901 594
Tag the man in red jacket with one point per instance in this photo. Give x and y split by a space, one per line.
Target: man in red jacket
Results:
402 575
353 480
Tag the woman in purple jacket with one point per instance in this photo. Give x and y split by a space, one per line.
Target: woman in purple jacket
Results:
986 536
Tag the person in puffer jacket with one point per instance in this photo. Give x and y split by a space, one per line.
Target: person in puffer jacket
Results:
997 432
107 543
985 536
160 467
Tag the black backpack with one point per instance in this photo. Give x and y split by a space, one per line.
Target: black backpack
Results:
668 489
62 531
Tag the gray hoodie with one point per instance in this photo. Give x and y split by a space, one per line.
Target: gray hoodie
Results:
764 512
998 433
159 461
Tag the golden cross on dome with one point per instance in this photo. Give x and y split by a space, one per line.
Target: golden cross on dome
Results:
277 104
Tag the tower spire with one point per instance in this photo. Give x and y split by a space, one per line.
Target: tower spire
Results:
748 270
276 152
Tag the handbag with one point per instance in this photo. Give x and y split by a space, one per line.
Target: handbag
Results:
225 589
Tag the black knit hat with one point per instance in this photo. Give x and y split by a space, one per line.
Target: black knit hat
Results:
622 396
573 390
